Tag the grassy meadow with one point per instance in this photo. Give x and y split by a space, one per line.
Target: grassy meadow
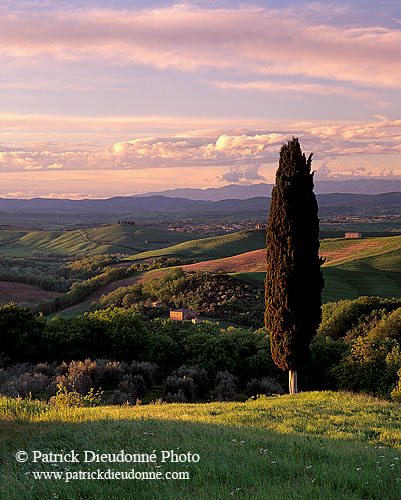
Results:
212 248
85 242
306 446
369 266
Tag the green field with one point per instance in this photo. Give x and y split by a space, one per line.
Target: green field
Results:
368 266
108 239
212 248
347 282
318 445
374 270
358 267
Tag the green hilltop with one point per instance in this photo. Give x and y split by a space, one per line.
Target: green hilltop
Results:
212 248
116 238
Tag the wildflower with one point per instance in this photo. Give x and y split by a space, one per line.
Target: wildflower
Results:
358 468
308 467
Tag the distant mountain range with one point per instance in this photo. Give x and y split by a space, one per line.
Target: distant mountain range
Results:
235 191
329 204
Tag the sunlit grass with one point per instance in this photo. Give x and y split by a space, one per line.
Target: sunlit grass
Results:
308 446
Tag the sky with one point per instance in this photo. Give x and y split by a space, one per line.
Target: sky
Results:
105 98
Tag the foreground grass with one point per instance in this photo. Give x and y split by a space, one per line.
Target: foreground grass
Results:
308 446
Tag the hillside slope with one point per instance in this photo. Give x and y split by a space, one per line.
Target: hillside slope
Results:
212 248
370 266
114 238
307 446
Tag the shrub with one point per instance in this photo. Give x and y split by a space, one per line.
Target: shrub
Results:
175 386
199 377
48 369
368 367
110 373
176 398
148 371
72 398
121 398
226 386
324 355
267 386
21 334
26 384
388 327
396 392
133 385
340 317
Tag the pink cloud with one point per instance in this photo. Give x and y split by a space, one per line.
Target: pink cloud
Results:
307 88
229 149
188 38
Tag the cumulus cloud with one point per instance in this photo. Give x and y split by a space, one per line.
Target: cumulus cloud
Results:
242 175
186 38
242 153
323 173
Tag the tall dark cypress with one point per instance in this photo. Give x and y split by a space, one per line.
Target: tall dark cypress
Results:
294 280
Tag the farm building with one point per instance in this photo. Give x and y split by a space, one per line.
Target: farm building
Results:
181 314
353 235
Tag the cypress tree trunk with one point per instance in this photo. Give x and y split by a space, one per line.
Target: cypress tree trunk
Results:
292 381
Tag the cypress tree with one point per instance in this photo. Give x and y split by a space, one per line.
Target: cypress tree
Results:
294 280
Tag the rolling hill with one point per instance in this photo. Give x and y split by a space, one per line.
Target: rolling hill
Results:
212 248
370 266
116 238
143 207
355 186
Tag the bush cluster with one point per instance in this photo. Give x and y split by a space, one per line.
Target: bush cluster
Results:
215 295
363 356
267 386
226 386
79 383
